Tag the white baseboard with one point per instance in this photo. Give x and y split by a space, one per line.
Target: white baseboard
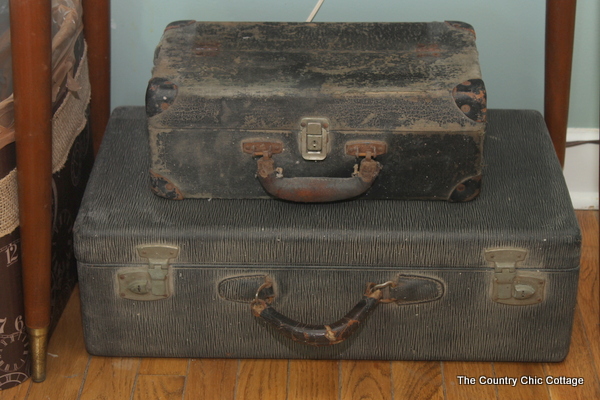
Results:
582 168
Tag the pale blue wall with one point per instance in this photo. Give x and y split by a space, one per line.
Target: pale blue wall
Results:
585 80
510 39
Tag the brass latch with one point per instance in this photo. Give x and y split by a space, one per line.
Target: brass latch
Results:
314 138
151 282
510 286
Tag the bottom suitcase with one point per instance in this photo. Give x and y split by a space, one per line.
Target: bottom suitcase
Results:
494 279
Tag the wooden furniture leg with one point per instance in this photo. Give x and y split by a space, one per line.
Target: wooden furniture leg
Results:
560 30
96 26
30 27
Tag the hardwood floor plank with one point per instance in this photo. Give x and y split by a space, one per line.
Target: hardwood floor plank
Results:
457 388
164 387
521 391
589 281
417 380
578 364
363 380
164 366
211 379
67 357
110 378
313 380
262 380
18 392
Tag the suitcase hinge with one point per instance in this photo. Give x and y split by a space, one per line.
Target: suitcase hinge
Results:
151 282
509 285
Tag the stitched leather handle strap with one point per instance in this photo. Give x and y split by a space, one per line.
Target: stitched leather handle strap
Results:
319 335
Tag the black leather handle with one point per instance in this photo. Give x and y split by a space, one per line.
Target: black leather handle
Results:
320 335
316 189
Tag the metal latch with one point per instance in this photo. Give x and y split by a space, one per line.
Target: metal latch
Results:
314 138
511 286
151 282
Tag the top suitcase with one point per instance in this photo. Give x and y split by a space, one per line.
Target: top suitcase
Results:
316 112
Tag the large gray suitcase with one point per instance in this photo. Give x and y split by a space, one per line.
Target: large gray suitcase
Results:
492 279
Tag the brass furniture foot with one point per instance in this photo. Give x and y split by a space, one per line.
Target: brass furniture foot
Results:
38 339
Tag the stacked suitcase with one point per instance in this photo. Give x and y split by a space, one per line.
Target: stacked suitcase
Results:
354 129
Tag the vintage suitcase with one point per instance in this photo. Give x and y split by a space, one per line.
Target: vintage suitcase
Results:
492 279
316 112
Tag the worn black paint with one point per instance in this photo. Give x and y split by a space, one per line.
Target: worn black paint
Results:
390 81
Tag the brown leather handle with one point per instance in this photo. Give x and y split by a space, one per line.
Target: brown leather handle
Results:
320 335
316 189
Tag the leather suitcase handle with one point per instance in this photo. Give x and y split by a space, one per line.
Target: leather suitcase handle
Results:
319 335
316 189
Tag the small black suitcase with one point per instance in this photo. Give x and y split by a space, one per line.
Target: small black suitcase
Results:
316 112
492 279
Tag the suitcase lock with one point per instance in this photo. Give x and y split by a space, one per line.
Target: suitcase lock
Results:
151 282
512 287
314 138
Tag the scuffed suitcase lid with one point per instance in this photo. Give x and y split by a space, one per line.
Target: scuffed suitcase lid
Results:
268 75
524 204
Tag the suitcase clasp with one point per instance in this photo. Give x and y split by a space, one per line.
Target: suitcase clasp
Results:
314 138
511 286
153 281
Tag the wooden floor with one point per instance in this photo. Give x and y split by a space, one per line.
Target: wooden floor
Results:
73 374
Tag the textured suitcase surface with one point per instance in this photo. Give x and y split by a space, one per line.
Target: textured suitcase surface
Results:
491 279
317 112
